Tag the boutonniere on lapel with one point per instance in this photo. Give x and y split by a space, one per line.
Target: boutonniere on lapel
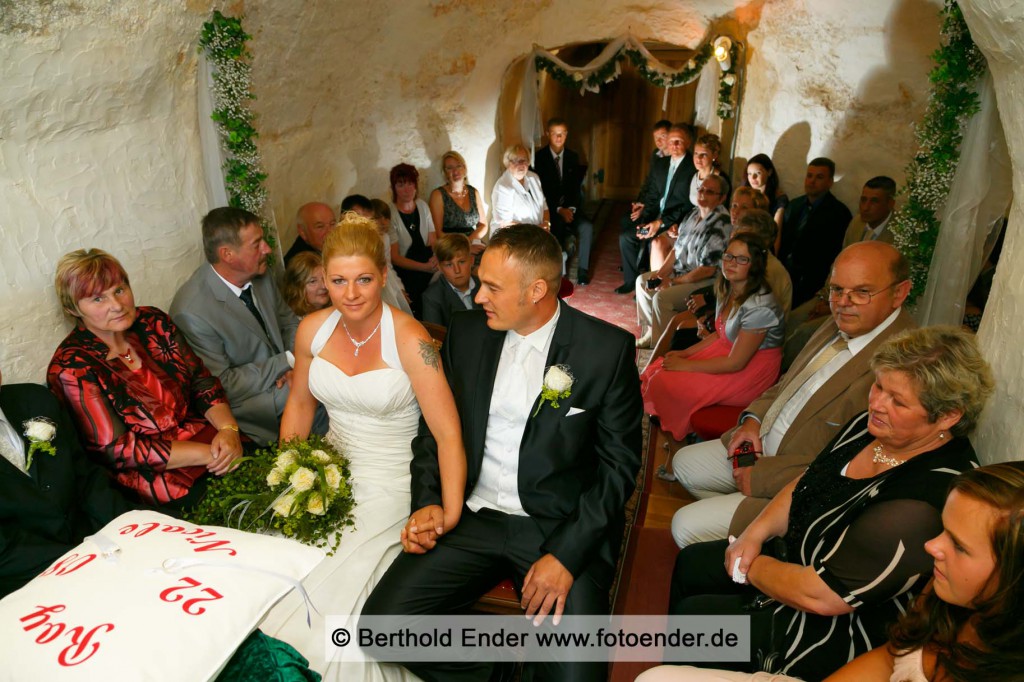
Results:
557 386
39 431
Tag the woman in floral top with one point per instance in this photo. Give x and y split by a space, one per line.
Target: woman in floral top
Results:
142 400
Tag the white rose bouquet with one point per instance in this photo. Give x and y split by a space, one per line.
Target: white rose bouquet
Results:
300 488
557 386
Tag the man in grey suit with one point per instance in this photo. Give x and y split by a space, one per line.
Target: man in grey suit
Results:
235 319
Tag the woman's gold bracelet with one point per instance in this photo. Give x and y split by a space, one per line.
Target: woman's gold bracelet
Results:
233 427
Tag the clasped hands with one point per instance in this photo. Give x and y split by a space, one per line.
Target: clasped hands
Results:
545 587
225 450
424 527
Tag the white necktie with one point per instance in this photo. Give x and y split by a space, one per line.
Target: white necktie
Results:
823 358
11 446
518 383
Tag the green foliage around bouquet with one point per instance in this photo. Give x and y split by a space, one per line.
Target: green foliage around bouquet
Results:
299 488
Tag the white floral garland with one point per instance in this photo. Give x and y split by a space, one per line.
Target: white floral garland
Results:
223 41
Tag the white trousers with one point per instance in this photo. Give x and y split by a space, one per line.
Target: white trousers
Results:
706 472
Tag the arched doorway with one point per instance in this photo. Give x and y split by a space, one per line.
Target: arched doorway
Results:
611 129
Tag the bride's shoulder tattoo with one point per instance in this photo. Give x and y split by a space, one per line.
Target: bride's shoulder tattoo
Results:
428 351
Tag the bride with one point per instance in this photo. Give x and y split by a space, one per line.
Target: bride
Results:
374 369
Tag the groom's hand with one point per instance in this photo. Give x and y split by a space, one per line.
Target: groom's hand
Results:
420 534
547 585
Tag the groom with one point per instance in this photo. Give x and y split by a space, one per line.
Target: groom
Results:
545 485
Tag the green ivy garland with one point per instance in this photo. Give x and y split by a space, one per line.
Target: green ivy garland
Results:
657 75
223 41
953 101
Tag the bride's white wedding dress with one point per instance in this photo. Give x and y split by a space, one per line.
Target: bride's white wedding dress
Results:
373 419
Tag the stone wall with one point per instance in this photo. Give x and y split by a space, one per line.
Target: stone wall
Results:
98 148
99 143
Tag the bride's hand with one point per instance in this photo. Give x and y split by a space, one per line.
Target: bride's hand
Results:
421 531
451 518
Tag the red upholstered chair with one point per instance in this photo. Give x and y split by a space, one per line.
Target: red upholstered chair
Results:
711 422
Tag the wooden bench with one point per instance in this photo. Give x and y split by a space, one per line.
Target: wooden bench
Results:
501 599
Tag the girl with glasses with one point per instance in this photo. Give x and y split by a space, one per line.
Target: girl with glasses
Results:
734 364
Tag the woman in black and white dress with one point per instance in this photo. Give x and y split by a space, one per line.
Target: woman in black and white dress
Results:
854 525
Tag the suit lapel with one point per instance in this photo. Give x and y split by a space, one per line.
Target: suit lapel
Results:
558 354
263 290
232 304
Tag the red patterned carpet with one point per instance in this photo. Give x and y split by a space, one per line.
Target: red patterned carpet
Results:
599 298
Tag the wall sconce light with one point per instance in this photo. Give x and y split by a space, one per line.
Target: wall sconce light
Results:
723 46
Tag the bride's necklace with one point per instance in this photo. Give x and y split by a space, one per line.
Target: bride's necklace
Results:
360 344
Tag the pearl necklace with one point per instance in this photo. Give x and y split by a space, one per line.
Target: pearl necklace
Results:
360 344
881 458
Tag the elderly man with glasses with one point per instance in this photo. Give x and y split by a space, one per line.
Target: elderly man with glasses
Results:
700 240
796 418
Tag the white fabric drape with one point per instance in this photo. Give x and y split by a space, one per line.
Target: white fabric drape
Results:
705 99
978 200
209 141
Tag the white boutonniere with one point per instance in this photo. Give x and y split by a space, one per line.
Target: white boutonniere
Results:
557 386
39 431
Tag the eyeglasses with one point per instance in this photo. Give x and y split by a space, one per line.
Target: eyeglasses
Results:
742 260
857 296
519 162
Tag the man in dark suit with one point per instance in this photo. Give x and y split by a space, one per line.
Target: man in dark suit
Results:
813 229
46 510
313 222
561 178
665 202
545 485
453 291
235 319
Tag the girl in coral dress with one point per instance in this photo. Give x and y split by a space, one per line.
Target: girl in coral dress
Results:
734 364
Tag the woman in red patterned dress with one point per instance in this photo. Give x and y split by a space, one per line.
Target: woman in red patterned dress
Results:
143 402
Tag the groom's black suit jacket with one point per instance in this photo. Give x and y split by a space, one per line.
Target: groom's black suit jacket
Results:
575 472
62 499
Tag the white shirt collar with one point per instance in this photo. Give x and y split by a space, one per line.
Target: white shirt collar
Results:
540 338
875 231
237 291
858 344
467 292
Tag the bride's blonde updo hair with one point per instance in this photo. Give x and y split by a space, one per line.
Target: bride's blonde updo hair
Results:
355 236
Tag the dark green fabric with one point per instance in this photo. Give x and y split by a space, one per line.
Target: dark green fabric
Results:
268 660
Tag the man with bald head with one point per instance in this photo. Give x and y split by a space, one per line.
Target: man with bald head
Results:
796 418
313 221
